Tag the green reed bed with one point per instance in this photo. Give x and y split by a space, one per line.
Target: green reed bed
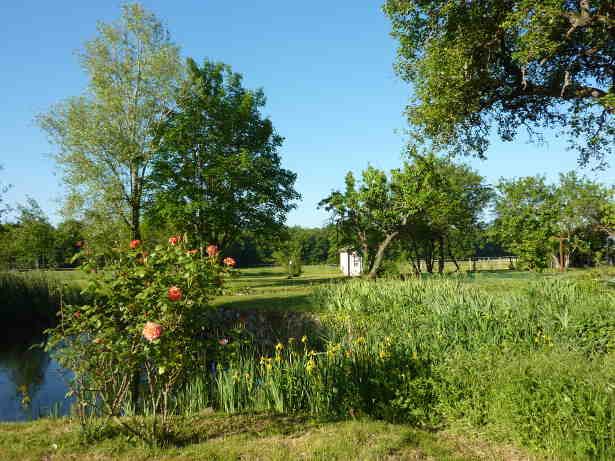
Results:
532 364
33 298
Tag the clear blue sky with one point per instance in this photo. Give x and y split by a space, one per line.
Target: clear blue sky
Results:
326 68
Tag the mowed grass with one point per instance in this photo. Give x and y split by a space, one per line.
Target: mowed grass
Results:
269 288
254 437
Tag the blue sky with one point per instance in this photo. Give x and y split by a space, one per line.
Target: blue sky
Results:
326 69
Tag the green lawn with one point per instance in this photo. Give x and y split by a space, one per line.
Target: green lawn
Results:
269 288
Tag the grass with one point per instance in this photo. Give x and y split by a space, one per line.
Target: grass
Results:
526 359
269 288
254 437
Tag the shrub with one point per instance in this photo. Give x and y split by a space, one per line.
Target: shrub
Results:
148 310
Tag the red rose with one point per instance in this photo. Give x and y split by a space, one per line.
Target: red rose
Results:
152 331
77 314
172 240
212 251
135 243
229 261
175 293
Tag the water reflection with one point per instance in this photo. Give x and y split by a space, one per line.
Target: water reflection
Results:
31 383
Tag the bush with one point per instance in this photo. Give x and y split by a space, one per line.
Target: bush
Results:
147 312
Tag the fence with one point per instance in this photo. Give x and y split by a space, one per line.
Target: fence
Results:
474 264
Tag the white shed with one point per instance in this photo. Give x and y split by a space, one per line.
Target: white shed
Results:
351 263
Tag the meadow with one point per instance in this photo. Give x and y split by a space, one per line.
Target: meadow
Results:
489 365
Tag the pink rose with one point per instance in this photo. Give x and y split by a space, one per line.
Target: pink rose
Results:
152 331
212 251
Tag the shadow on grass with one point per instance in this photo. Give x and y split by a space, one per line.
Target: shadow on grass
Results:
284 302
285 282
203 429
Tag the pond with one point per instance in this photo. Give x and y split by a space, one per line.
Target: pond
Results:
31 383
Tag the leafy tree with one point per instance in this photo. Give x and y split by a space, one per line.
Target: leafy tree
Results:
33 237
217 171
69 238
526 214
581 204
104 137
514 63
450 221
541 223
288 253
373 215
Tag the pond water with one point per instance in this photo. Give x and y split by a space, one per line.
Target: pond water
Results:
31 383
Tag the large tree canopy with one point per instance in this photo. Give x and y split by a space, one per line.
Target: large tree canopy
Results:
217 172
512 63
104 137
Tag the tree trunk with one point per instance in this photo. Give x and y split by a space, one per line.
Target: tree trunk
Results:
450 254
429 247
135 205
373 273
441 255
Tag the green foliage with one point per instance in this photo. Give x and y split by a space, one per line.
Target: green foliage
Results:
31 241
288 255
104 138
217 171
512 63
430 201
532 365
532 217
147 312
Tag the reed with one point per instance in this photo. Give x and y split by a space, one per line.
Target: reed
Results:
31 299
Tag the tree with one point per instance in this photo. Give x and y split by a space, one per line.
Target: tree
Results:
69 238
541 223
217 171
581 204
33 237
515 63
450 221
369 218
104 138
525 210
288 252
366 216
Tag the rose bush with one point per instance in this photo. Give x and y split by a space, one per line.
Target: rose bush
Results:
135 344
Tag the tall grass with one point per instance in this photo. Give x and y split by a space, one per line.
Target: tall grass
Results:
32 299
533 364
